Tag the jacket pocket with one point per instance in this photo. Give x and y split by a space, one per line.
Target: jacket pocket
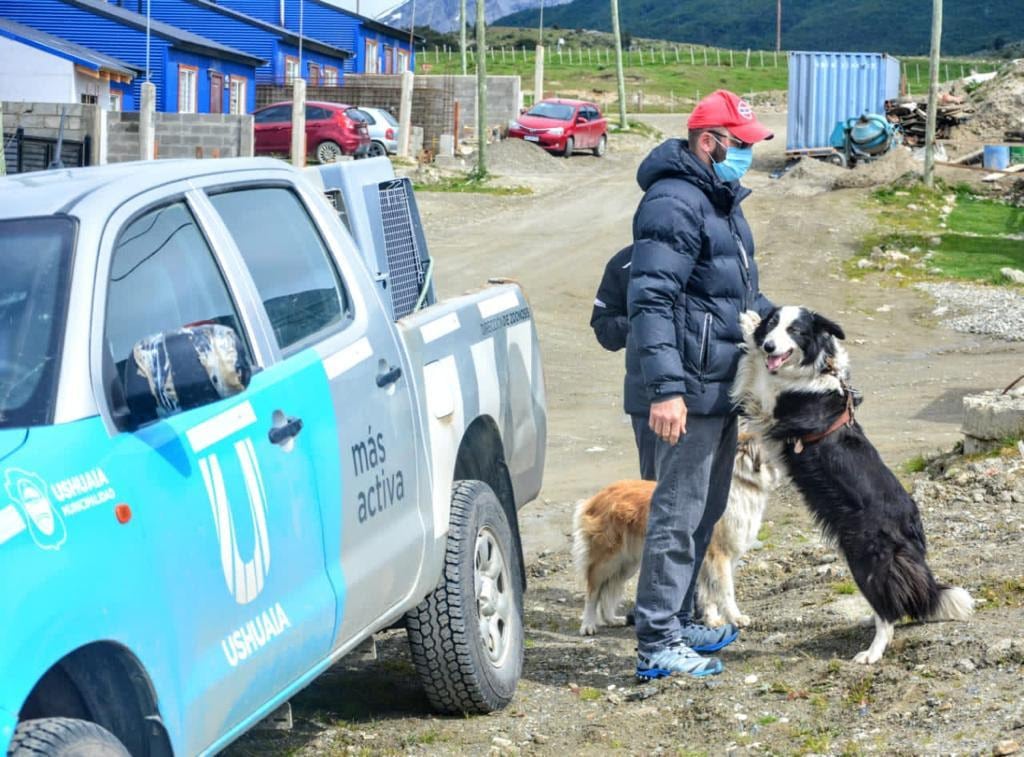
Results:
705 347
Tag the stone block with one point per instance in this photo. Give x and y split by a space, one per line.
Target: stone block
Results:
992 416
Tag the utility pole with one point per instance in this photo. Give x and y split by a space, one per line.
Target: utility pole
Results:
538 61
619 73
481 91
462 34
933 95
778 26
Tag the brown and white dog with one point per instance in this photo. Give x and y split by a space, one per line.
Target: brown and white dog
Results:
610 527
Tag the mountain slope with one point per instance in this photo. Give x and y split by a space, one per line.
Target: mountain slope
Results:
869 25
443 15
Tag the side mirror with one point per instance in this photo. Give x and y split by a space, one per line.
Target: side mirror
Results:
174 371
522 111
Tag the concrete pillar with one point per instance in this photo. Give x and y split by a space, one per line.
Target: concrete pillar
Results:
3 159
247 147
405 115
299 123
98 128
538 76
147 122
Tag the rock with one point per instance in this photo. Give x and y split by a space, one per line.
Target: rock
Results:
1005 747
644 692
865 263
750 679
1013 274
539 738
965 665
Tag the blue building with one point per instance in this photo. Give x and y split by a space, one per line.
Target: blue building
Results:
39 67
279 47
192 74
379 48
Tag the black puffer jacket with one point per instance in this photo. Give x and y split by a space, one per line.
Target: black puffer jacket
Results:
693 273
610 317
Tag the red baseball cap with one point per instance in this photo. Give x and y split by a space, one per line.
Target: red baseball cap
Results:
731 112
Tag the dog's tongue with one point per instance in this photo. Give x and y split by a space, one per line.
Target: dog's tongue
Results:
774 361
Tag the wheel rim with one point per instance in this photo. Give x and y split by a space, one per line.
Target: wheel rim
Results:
376 149
328 152
494 600
602 145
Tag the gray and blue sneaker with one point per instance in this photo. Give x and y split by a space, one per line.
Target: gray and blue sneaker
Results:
702 639
675 659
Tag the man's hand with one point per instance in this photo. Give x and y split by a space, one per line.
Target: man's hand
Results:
668 419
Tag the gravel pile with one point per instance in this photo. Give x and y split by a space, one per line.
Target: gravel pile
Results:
517 157
974 309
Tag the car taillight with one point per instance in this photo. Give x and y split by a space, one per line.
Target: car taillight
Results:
342 119
389 134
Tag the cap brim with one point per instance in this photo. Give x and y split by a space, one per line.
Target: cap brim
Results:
752 132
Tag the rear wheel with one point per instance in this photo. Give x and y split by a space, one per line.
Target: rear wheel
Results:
602 146
467 636
376 150
328 151
570 145
64 737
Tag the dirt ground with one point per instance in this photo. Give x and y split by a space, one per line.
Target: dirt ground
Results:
789 687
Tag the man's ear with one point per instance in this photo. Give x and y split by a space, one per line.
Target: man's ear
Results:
823 323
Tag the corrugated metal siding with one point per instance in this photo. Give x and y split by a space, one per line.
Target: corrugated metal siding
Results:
167 100
825 88
221 28
102 34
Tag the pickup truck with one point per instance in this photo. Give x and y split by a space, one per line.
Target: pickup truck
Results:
238 436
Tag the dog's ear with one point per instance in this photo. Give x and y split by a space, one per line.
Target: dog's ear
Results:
833 328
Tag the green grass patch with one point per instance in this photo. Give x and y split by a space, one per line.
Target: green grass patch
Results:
977 258
589 694
977 216
859 693
767 720
469 183
844 587
915 464
1006 593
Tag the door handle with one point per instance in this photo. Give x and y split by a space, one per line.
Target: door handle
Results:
281 434
390 376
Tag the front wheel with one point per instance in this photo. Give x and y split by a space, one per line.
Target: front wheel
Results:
376 150
467 635
570 145
328 151
64 737
602 146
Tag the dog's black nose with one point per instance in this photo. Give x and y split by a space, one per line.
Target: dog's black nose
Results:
769 346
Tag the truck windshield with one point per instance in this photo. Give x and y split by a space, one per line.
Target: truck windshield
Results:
35 256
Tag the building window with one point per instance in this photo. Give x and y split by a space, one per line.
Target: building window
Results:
188 77
330 76
89 99
372 63
115 101
236 97
314 74
403 61
291 69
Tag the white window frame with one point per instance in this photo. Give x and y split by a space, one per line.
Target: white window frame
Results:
189 75
291 69
330 76
402 56
236 94
116 101
372 61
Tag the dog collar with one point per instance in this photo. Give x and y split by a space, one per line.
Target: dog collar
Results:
846 419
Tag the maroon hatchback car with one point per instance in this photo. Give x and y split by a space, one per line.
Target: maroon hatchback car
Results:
563 126
332 129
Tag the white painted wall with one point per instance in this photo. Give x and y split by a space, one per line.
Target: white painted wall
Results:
31 75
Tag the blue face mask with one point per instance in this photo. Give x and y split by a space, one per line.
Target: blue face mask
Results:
737 161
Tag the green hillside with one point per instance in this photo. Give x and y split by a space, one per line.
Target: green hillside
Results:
866 25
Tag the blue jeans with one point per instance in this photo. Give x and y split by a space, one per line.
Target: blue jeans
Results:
646 446
693 489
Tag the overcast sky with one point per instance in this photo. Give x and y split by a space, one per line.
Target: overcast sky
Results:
370 8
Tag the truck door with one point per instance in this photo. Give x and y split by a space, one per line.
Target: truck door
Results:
246 606
375 532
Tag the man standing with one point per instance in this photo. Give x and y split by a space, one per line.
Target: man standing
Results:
692 275
610 322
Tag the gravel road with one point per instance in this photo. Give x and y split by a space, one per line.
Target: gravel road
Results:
789 687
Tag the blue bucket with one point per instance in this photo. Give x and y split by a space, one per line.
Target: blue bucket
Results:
997 157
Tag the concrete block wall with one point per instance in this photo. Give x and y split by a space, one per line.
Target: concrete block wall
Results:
43 119
182 135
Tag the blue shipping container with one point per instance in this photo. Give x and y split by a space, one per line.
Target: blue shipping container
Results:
825 88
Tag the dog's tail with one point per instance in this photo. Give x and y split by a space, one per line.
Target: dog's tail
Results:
953 603
580 541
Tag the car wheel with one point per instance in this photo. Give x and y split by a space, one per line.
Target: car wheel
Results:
467 636
328 151
64 737
376 150
570 145
602 146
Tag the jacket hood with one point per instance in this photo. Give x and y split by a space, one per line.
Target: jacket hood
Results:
673 159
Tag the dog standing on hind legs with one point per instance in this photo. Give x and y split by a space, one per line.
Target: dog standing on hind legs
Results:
793 385
609 530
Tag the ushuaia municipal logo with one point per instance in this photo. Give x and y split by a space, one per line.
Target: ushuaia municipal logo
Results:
28 493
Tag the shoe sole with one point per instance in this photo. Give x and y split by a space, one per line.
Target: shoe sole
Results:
706 648
653 674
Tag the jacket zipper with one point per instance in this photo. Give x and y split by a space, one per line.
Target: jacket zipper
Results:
748 297
705 338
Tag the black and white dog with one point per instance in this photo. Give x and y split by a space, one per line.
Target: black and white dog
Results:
793 384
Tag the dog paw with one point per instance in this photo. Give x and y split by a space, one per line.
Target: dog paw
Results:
749 321
867 657
616 620
713 619
740 620
588 629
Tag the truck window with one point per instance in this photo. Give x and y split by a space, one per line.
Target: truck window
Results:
288 262
163 276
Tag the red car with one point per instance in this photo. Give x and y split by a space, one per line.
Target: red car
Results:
331 130
563 126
